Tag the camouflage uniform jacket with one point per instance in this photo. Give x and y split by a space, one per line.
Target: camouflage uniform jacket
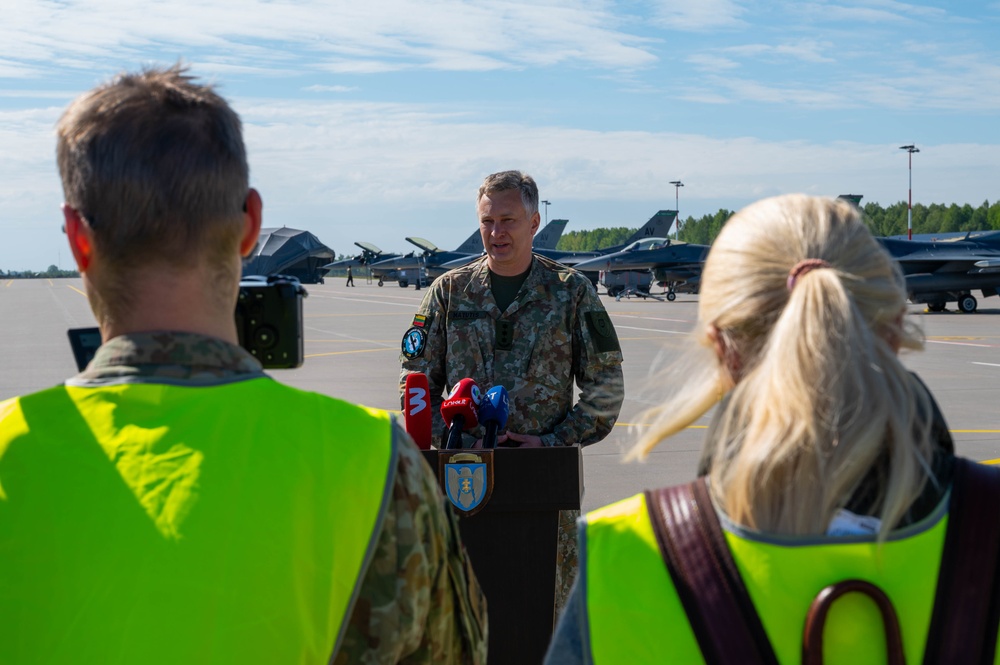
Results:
556 331
419 601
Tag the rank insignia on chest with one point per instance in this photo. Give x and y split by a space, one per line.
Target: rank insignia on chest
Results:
505 335
467 479
414 342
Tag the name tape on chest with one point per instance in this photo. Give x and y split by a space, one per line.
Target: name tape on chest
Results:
463 315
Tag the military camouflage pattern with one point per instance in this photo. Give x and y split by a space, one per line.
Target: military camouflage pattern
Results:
567 563
553 344
419 601
169 355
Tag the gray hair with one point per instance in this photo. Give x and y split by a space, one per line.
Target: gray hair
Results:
507 180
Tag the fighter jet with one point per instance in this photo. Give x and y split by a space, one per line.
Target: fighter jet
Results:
939 272
369 255
673 263
658 226
409 266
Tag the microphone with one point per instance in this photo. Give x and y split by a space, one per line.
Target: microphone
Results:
459 411
417 409
493 414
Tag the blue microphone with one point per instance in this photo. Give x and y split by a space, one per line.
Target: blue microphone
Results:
493 414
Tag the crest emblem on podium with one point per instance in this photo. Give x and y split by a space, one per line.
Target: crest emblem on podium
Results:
467 479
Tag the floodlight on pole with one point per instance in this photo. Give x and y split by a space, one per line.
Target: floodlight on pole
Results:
677 203
547 204
909 202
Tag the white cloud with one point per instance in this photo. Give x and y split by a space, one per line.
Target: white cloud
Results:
698 15
711 62
330 88
397 167
378 35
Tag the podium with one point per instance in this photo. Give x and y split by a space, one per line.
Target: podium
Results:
511 542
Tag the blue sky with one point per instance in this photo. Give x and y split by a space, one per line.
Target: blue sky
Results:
377 120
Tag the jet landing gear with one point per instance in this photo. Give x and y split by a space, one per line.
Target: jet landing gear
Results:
936 306
381 282
967 303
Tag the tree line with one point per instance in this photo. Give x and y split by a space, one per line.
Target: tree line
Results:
51 272
883 221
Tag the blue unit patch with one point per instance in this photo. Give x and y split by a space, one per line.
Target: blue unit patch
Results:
466 485
414 342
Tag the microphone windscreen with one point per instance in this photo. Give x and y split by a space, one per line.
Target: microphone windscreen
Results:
464 399
495 407
417 409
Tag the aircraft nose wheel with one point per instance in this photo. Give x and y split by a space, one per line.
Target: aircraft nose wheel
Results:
671 296
380 282
967 304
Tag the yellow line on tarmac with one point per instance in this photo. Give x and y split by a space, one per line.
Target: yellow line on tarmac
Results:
974 431
50 282
77 290
8 283
340 353
990 461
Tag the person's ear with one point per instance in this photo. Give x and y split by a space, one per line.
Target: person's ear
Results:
252 211
727 356
535 220
80 237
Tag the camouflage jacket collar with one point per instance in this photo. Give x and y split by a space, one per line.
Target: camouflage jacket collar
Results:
532 289
170 355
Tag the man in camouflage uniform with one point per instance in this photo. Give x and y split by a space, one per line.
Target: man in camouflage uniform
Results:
141 159
531 325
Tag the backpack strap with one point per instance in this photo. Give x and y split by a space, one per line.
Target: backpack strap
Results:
966 604
709 586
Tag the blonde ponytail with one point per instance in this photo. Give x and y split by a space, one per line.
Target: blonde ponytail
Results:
821 398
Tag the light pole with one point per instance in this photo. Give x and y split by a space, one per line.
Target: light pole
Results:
547 204
677 203
909 203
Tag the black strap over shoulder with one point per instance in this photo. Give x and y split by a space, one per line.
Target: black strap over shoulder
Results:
966 609
708 584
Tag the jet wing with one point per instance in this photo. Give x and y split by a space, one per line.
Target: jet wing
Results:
425 245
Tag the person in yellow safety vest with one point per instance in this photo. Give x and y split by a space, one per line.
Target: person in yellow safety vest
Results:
825 461
173 503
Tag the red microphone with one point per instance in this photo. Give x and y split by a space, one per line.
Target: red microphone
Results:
417 409
460 411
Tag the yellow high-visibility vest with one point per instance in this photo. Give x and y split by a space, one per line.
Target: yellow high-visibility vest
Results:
634 616
154 523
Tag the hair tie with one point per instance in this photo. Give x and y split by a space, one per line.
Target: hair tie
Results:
802 267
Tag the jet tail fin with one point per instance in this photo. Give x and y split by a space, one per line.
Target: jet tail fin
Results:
472 245
658 226
548 237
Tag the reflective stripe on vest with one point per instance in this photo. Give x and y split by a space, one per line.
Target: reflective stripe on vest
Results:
634 616
146 523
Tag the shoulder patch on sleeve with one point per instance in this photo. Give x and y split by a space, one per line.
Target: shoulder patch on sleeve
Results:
602 331
422 320
414 342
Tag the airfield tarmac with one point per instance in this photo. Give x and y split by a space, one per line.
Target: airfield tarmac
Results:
352 342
